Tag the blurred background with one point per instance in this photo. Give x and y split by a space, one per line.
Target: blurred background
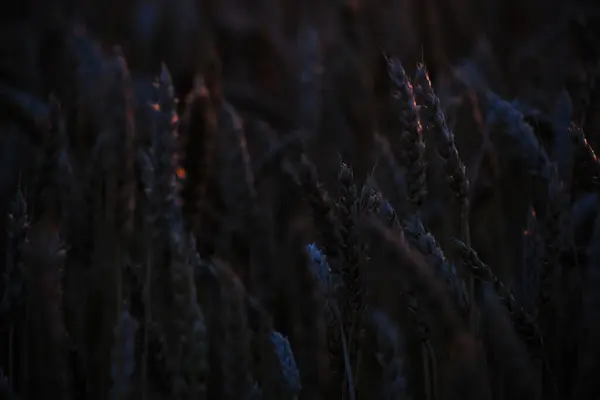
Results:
318 67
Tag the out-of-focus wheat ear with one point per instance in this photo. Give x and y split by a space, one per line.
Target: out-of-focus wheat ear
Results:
122 124
185 328
524 324
513 372
241 197
86 109
187 336
190 338
165 138
104 164
122 355
417 236
287 363
124 121
425 242
354 261
419 324
154 241
265 364
124 169
403 103
159 212
513 136
434 121
198 133
329 284
235 351
46 335
586 168
391 357
116 146
232 124
337 342
433 297
305 320
236 190
318 266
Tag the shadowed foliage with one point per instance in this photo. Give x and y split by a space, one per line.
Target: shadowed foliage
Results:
224 199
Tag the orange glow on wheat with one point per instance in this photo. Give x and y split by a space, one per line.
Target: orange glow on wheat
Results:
156 106
586 144
180 173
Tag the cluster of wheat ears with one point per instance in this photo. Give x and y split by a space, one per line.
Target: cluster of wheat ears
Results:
201 248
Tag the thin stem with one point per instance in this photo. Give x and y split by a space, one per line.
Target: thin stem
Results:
347 365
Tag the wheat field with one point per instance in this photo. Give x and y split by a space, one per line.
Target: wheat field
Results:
277 199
